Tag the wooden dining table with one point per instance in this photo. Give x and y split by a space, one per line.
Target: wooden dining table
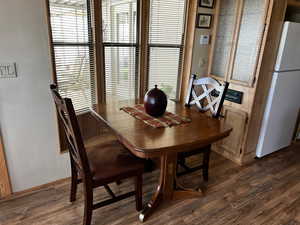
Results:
147 142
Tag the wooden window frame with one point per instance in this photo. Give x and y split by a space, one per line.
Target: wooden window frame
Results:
180 46
90 44
102 45
84 118
189 38
142 43
168 46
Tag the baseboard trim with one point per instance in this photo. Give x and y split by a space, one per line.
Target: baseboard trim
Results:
35 189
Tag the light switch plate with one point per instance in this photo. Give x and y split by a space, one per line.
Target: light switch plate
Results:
8 70
204 39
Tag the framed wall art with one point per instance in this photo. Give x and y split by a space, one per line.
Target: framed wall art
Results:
204 20
207 3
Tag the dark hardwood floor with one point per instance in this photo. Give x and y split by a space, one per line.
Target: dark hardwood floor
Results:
264 192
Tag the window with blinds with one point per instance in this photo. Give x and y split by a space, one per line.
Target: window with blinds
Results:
73 48
73 51
120 43
166 35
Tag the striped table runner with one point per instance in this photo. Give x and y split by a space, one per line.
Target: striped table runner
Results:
167 120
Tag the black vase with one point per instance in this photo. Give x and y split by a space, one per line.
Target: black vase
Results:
155 102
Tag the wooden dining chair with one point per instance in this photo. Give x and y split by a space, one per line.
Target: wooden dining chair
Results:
99 165
208 95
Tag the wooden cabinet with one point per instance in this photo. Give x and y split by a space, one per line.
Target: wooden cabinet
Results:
232 146
238 35
243 50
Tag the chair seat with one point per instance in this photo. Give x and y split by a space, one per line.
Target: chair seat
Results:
110 161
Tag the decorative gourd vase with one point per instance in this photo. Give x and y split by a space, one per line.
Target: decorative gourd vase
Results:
155 102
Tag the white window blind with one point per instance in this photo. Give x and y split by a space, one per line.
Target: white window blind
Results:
119 27
73 51
166 35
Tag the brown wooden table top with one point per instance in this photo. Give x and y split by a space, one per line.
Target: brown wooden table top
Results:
146 141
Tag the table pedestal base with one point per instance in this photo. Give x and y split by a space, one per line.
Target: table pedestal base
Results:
165 191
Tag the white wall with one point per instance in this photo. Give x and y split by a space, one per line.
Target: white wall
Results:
27 114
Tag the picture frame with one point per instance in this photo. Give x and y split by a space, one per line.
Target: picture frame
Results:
207 3
204 20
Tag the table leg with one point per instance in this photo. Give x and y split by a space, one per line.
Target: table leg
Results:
165 188
186 193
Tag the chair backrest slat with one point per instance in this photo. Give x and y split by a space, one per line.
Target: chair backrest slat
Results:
207 94
68 118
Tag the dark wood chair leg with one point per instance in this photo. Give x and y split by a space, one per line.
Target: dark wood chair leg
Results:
73 183
88 204
206 164
139 192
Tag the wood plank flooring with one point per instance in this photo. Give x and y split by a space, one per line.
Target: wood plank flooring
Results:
266 192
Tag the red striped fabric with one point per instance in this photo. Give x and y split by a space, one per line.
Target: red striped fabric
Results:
167 120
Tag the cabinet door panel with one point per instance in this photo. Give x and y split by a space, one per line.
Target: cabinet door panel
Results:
237 120
249 41
224 37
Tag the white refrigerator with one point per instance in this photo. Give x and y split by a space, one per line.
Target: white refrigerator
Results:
283 103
